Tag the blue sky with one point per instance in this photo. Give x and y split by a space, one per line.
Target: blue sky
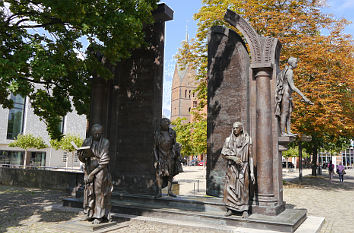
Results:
183 16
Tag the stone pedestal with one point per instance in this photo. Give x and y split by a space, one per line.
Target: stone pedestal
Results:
284 142
82 226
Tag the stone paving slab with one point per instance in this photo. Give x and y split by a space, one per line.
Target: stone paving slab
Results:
26 209
332 200
311 225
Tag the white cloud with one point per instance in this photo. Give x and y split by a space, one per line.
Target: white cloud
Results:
341 5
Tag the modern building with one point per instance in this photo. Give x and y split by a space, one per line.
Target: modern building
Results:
346 157
22 120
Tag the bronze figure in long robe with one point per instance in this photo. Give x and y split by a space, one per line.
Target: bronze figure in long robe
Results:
98 182
237 152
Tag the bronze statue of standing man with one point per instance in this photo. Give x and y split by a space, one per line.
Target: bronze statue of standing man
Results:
237 152
98 183
166 157
284 104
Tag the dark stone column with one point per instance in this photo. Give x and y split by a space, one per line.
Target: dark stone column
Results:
264 133
264 140
130 107
228 98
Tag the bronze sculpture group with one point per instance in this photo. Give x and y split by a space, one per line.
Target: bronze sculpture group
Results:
94 154
237 151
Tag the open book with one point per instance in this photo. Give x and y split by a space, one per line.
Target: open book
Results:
79 148
85 149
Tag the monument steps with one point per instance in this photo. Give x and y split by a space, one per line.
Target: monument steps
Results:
197 209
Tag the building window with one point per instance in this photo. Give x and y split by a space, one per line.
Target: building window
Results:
38 159
61 125
189 109
193 94
185 94
11 157
16 115
65 157
76 159
189 94
195 103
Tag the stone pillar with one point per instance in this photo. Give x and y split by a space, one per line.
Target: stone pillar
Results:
264 140
130 107
228 98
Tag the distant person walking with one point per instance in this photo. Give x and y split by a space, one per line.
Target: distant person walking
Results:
341 172
330 170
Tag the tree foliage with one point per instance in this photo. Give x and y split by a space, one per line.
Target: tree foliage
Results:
27 141
325 71
65 143
44 42
191 135
293 151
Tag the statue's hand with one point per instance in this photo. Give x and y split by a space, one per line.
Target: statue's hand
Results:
253 179
156 164
308 101
238 160
89 179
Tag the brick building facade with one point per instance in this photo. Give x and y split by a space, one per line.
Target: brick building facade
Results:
183 99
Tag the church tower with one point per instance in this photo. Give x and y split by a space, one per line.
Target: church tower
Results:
183 99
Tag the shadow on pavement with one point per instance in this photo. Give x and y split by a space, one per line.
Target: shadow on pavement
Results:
19 205
322 182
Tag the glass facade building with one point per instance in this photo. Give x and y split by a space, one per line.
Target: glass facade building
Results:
11 157
16 115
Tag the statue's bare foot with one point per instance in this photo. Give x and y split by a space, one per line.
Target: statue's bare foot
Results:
245 214
228 213
171 194
288 134
97 221
87 218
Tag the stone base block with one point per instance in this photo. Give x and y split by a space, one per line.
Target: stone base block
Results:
205 210
82 226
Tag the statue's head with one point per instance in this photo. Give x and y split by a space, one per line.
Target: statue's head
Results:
292 61
237 128
97 131
165 124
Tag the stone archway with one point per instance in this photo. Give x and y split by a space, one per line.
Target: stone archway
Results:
253 105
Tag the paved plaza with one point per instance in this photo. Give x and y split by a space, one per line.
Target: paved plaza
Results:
27 209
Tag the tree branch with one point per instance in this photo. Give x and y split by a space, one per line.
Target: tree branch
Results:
41 82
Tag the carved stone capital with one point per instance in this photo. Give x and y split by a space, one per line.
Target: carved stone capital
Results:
264 50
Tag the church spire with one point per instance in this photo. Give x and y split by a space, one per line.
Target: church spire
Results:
187 33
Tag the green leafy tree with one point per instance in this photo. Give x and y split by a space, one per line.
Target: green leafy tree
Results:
199 136
183 135
42 42
325 69
191 135
28 141
65 144
293 151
